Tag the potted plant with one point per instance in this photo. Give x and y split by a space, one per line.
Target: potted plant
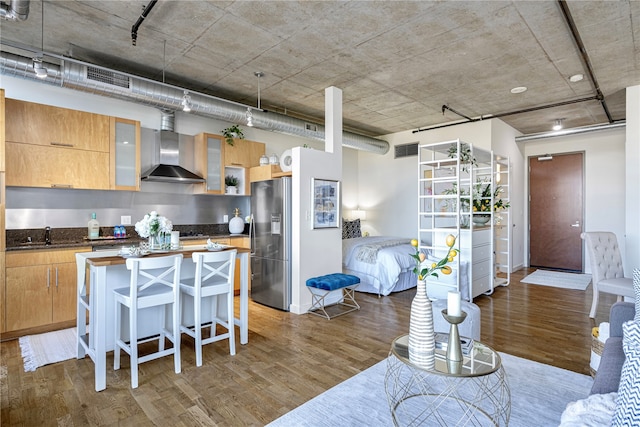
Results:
231 183
465 155
232 132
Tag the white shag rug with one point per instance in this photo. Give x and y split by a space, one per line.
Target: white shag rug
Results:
44 349
558 279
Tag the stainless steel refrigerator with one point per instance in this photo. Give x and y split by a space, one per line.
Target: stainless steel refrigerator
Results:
271 242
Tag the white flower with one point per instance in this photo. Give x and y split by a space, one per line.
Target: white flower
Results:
152 224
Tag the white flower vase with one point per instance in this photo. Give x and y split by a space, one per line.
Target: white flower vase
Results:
422 343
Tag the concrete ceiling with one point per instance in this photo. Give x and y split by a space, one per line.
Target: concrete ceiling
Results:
397 62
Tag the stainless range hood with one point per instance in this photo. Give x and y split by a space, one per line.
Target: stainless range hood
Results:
169 169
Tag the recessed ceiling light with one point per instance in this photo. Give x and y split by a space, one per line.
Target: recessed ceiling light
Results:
518 89
576 78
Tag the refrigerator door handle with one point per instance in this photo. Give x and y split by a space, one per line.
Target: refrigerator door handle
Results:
252 236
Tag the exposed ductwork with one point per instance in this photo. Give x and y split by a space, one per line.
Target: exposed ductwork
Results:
573 131
16 10
86 77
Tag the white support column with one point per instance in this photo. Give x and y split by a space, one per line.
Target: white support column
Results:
632 191
333 121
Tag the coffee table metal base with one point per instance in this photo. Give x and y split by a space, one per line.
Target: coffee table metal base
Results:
427 397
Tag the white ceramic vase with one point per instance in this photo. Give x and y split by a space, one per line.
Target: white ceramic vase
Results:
236 225
422 343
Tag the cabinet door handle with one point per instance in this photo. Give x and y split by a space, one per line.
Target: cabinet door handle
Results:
61 186
56 277
48 278
61 144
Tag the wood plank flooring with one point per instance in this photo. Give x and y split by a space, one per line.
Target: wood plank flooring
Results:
289 360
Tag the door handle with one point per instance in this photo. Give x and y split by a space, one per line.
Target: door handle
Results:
577 224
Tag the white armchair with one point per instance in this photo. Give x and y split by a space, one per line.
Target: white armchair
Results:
606 267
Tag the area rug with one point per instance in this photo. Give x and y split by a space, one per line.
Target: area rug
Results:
539 395
44 349
558 279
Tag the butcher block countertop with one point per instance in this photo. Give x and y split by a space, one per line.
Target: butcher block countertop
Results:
186 251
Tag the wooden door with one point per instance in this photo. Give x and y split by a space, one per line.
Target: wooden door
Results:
556 211
64 289
28 297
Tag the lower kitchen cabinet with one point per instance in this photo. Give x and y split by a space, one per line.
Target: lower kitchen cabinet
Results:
240 242
40 287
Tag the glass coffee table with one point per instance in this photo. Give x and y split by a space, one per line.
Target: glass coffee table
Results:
473 392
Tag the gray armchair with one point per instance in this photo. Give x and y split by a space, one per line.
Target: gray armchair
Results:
606 267
607 377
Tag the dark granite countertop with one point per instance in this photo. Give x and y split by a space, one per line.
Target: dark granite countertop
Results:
77 237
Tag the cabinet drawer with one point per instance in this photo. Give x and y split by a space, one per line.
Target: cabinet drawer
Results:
481 237
240 242
481 285
481 269
39 257
481 253
42 166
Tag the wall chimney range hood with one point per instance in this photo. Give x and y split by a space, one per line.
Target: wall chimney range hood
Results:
169 169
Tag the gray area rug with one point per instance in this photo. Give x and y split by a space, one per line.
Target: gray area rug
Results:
558 279
539 395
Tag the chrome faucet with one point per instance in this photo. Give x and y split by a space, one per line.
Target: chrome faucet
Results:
47 236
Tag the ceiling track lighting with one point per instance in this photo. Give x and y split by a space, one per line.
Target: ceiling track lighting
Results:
557 125
186 102
39 69
249 116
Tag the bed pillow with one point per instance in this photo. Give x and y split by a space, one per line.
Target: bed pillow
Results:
351 229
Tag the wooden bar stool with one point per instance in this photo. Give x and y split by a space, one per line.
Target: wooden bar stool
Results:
214 277
155 281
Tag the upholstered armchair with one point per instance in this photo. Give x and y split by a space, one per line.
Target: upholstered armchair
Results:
606 267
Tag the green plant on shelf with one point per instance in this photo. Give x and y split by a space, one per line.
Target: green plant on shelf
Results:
232 132
231 181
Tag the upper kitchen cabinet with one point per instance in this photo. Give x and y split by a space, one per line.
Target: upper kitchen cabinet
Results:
56 167
125 154
56 147
243 153
38 124
209 152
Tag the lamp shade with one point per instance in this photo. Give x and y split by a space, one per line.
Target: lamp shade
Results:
359 214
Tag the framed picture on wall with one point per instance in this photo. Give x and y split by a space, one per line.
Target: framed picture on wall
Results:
326 203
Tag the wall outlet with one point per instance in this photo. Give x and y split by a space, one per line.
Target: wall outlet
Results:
125 220
225 218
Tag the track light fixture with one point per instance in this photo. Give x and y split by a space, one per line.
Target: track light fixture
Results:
557 125
186 102
249 117
38 68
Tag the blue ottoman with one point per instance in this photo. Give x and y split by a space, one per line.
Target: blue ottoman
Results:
320 287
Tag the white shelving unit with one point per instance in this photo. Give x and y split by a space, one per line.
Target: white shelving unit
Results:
503 226
449 186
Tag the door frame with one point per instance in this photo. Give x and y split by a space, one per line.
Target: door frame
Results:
527 259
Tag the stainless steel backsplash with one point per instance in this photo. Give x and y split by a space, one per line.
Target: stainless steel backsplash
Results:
39 207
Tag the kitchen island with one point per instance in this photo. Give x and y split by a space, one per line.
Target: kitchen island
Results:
107 271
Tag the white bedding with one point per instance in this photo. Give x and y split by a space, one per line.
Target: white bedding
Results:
382 276
393 269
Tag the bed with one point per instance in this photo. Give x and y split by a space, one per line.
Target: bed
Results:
384 264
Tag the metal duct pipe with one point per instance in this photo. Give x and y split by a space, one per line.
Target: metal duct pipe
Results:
17 10
85 77
565 132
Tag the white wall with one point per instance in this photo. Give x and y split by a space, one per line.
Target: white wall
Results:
632 197
316 252
604 173
388 187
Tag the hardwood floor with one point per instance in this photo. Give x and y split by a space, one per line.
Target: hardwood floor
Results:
289 360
